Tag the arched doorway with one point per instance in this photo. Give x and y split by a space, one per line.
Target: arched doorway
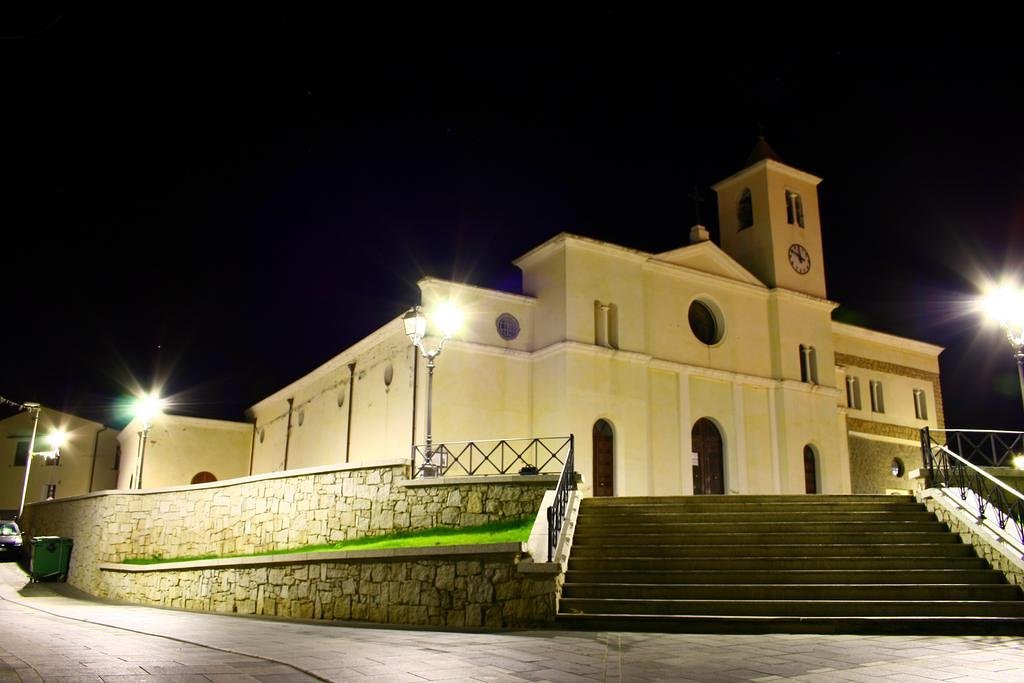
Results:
203 478
604 459
708 475
810 470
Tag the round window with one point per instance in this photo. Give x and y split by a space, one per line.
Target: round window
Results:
508 326
704 323
389 374
897 467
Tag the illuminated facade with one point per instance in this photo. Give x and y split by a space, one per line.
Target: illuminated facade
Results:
707 369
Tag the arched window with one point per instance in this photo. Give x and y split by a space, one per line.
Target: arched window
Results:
203 478
810 470
708 467
745 210
794 209
808 364
604 459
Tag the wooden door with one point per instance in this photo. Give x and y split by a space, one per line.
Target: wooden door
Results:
604 459
708 477
810 471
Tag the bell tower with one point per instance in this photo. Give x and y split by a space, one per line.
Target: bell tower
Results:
768 221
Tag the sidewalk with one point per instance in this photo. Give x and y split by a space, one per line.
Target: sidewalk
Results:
50 632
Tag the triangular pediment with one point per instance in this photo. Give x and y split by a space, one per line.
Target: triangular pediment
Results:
707 257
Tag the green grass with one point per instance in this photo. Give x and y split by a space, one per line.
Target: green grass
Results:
513 531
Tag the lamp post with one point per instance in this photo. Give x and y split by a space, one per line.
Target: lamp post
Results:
147 407
33 409
1005 305
448 318
56 441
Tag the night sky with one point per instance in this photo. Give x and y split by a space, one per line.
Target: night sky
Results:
226 195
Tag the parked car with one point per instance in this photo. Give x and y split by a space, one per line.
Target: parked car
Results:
10 540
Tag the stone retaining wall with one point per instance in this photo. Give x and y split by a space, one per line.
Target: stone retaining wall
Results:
457 587
272 512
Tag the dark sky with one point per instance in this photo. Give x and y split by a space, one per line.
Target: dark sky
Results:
226 195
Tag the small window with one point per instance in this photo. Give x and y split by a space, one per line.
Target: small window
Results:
51 491
21 454
704 323
263 434
508 326
745 210
302 416
606 325
117 457
897 468
203 478
808 364
341 395
389 375
853 393
877 399
794 209
920 405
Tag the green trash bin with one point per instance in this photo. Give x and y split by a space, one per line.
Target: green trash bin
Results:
50 557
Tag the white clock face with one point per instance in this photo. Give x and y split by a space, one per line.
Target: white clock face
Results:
799 258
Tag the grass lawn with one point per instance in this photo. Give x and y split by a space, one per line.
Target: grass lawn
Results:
514 531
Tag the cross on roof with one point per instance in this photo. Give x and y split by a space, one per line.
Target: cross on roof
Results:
698 199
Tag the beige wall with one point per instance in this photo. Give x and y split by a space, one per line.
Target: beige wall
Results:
178 448
87 458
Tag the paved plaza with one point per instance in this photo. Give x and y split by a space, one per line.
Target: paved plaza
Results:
50 633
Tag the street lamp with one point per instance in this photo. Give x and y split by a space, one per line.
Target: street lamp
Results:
56 440
448 318
147 407
1005 305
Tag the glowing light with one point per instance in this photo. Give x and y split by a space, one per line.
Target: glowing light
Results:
57 439
1004 303
1018 462
149 406
448 318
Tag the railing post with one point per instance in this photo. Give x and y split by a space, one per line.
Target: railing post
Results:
926 452
552 533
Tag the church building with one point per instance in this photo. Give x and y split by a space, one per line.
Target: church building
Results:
708 369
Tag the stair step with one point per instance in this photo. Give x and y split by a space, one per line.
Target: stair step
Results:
718 575
761 564
753 507
801 564
795 608
767 538
779 550
594 528
618 501
779 591
891 625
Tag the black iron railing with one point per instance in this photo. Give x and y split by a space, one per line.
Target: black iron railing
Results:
556 511
546 455
982 448
979 490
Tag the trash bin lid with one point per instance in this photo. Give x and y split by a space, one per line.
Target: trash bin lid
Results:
44 538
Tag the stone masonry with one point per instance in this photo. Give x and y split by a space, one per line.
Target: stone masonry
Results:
272 512
482 590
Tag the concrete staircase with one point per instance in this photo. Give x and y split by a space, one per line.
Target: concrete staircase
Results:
788 564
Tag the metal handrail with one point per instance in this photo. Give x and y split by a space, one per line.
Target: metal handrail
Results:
556 511
953 471
989 447
542 455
